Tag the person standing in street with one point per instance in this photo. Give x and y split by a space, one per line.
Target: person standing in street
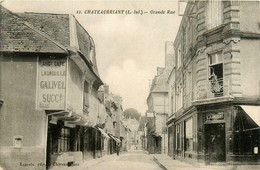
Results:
117 148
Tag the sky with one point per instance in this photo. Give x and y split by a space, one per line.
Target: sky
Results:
129 48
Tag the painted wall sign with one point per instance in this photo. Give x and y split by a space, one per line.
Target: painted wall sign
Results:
150 114
51 90
215 116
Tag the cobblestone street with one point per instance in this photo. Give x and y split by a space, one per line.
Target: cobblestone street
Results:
128 161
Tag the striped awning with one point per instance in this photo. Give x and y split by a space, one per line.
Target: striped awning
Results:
103 132
115 138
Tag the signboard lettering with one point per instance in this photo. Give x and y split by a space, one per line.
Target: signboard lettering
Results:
51 83
215 116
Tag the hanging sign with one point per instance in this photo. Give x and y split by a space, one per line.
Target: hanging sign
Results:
51 85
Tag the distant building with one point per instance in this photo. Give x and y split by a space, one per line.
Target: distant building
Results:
214 87
133 125
114 104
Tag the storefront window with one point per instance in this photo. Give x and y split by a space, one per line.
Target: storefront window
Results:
99 138
246 134
64 141
178 138
188 135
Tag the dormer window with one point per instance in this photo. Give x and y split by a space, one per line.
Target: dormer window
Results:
92 50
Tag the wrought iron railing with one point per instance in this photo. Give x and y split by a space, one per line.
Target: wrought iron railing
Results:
211 89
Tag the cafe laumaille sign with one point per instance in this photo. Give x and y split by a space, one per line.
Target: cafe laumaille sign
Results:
51 90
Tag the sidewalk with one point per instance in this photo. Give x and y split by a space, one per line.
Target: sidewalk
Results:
167 163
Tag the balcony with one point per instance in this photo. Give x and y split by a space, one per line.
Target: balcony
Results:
212 91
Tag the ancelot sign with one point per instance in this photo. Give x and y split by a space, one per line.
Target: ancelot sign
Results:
215 116
51 86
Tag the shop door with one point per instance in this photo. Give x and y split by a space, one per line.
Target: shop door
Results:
215 142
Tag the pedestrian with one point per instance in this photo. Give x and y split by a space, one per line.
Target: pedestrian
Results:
117 148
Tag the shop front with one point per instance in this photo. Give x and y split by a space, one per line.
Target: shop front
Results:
64 144
184 136
228 133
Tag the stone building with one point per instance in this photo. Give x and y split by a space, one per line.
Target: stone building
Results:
214 85
114 105
157 102
50 110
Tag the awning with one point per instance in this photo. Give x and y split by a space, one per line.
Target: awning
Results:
103 132
155 134
118 140
115 138
70 117
253 112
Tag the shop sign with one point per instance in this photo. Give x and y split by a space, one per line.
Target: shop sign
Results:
51 85
217 116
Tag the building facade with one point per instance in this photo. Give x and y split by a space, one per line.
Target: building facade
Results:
51 112
214 85
157 103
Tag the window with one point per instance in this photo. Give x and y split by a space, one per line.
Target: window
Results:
216 74
179 97
114 124
178 138
179 57
188 135
214 13
86 95
92 50
172 110
64 141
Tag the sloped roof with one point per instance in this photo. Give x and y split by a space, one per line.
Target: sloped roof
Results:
57 26
86 44
54 25
43 32
18 35
160 82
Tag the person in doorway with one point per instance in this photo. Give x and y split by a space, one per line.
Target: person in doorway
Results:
117 148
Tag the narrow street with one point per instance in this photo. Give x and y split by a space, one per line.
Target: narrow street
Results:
128 161
169 84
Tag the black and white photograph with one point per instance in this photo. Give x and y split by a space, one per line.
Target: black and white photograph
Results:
129 84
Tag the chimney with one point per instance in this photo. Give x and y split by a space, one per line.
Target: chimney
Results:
159 70
169 54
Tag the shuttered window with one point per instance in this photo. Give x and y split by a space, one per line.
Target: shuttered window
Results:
214 13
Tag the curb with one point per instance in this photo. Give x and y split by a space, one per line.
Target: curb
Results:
146 152
161 165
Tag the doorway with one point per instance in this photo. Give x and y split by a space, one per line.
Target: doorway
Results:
215 148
